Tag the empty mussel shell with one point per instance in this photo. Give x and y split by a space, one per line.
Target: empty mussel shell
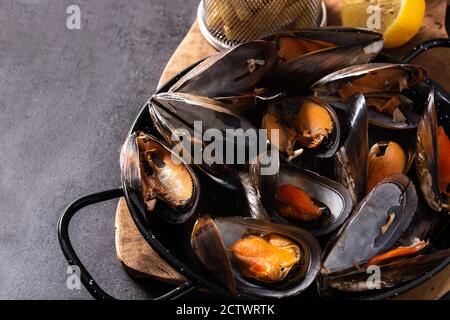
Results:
257 258
230 73
151 171
432 162
375 225
308 55
311 201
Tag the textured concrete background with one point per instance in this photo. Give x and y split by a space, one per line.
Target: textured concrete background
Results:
67 99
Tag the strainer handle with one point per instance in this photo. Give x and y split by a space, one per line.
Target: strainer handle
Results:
66 246
424 46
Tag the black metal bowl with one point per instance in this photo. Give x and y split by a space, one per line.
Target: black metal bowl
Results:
164 238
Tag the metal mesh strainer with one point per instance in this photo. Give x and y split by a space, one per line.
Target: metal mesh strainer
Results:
225 23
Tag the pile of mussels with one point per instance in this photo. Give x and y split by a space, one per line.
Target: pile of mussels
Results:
363 175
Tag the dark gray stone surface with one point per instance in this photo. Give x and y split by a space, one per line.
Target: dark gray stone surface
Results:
67 99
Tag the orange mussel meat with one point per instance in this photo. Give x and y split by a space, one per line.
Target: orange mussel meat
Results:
387 106
296 204
313 124
399 252
385 158
373 82
291 47
267 258
444 161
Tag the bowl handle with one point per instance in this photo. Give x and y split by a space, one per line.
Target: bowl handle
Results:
72 258
424 46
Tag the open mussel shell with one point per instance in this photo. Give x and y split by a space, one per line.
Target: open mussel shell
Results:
155 174
381 78
427 162
180 111
391 205
230 73
376 80
325 50
332 197
391 274
182 119
303 123
227 247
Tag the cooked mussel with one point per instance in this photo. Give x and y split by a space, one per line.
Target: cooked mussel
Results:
314 124
386 158
409 258
376 224
296 204
308 55
175 116
381 84
391 273
369 78
268 258
256 258
230 73
310 201
304 124
156 174
433 154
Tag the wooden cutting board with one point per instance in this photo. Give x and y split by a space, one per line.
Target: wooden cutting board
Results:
138 257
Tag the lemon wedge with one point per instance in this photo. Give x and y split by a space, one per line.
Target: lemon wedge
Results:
397 20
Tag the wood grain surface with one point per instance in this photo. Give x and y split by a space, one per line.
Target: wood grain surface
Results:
139 258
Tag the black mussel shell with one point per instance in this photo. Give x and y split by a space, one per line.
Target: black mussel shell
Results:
351 159
361 238
212 241
334 199
427 159
230 73
350 46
